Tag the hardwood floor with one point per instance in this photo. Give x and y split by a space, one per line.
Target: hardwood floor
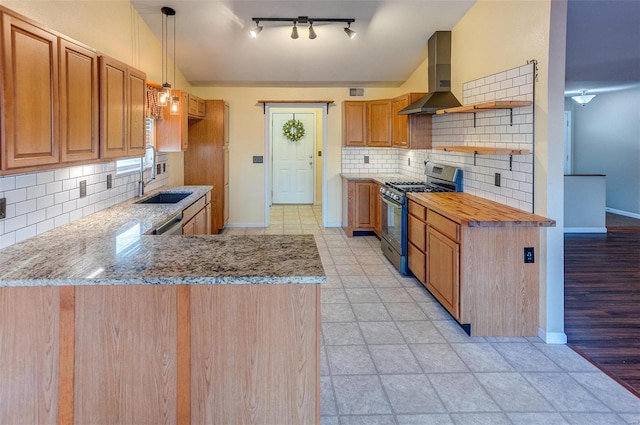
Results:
602 301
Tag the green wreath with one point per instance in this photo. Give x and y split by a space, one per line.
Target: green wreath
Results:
293 130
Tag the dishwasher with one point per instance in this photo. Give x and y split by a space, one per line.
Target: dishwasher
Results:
173 226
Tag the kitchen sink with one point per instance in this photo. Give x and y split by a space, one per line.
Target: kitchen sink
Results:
165 198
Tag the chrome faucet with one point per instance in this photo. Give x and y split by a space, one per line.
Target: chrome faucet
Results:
142 183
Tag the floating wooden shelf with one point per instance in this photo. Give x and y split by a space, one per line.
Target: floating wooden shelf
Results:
485 106
264 103
493 105
476 150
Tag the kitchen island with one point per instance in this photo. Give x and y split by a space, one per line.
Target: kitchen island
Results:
102 323
480 259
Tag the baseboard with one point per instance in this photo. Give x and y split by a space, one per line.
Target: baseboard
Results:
625 213
552 337
585 230
246 225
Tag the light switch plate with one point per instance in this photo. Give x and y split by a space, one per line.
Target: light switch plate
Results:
83 188
109 181
3 208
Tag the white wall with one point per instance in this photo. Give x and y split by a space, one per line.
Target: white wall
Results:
606 140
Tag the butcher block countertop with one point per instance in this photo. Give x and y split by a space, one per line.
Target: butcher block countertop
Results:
474 211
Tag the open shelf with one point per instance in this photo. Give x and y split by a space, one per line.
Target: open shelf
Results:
477 150
485 106
493 105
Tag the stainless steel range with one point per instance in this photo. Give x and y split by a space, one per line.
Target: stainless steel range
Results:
394 241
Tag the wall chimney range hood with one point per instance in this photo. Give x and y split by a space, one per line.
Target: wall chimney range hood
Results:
439 96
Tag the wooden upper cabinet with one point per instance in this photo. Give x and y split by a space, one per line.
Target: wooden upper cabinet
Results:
136 102
354 123
196 108
410 131
79 125
379 123
172 131
30 95
399 123
122 98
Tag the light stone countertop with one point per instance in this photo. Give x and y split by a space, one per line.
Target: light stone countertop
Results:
380 178
110 247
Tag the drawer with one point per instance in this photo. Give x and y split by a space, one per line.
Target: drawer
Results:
417 210
447 227
189 212
418 233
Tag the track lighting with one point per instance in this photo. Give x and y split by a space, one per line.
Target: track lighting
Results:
303 20
312 33
254 32
350 33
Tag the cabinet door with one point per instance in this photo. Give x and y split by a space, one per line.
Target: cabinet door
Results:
354 123
417 262
189 228
400 123
172 131
376 205
364 218
379 123
79 125
136 114
30 95
443 270
113 99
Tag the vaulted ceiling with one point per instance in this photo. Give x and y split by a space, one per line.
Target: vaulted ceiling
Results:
213 46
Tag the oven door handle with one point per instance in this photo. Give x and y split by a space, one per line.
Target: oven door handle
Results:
390 201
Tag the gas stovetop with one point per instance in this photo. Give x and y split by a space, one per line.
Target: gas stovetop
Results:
439 178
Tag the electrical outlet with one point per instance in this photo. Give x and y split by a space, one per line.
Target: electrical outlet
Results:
366 159
528 255
3 208
158 168
109 181
83 188
258 159
497 180
409 162
164 167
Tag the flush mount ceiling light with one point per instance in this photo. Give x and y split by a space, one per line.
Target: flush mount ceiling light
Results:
583 98
303 20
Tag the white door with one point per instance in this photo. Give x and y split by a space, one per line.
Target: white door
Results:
293 162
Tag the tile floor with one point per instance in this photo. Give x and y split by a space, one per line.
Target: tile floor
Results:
392 355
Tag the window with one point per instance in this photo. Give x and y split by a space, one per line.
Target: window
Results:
131 165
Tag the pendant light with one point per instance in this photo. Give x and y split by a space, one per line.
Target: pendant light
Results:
312 33
174 108
164 94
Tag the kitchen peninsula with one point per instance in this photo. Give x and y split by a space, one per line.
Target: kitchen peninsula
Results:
101 322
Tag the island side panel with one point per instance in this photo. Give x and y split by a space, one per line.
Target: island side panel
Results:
255 354
125 369
499 293
29 350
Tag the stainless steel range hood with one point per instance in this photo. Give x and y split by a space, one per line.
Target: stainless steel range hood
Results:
439 96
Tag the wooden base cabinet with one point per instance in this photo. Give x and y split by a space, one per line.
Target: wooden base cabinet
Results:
477 273
363 206
160 354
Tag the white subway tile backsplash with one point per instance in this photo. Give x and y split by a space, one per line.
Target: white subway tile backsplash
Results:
38 202
45 177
